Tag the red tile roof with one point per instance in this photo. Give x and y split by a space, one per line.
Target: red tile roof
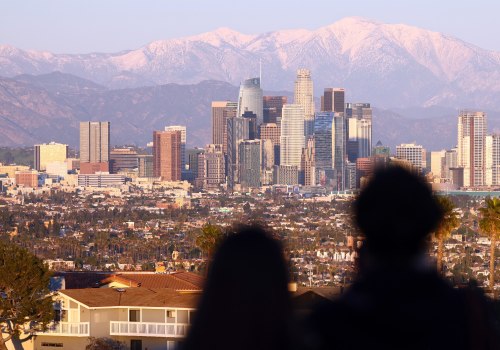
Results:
130 297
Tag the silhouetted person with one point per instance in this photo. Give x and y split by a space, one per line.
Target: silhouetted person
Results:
399 301
245 303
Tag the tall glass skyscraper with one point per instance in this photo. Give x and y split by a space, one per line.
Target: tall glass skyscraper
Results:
330 145
251 99
323 140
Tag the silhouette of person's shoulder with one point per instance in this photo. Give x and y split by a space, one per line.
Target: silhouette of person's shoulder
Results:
414 311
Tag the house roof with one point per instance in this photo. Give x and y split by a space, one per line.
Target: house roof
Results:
183 281
177 281
132 297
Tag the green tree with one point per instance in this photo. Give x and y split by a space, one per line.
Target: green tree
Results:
104 344
208 239
449 222
490 226
25 300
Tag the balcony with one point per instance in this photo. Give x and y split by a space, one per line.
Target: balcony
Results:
73 329
148 329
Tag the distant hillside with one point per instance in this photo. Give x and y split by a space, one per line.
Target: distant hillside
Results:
389 65
49 107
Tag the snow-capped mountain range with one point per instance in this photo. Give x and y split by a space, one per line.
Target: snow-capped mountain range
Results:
389 65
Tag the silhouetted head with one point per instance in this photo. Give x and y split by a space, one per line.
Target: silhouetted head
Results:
245 304
396 212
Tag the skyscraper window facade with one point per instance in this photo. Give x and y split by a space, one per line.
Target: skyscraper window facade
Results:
251 99
471 147
292 135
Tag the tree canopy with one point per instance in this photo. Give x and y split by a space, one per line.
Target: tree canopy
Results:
25 300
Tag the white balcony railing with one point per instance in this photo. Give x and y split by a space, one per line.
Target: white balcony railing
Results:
75 329
176 330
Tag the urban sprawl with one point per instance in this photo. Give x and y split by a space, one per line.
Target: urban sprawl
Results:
146 219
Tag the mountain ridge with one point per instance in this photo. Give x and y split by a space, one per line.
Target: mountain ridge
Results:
390 65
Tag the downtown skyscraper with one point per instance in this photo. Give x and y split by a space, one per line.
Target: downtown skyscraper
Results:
250 99
292 135
94 147
472 147
303 96
167 155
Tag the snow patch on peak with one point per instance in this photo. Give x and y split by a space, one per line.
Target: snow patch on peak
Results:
222 36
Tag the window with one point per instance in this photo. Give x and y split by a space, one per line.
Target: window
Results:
135 344
134 315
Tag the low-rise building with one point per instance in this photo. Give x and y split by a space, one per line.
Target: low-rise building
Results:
138 317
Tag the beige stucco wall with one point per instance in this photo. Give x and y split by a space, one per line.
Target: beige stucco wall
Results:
69 343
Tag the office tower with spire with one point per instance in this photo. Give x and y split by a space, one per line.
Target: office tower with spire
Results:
333 100
250 99
471 147
94 147
273 106
167 155
303 96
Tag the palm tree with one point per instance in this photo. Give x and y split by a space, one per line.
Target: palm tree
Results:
449 222
209 238
490 226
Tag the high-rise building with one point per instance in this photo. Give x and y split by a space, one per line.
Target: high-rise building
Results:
193 160
94 147
250 163
167 155
359 130
286 175
212 168
359 110
272 132
123 159
303 96
267 154
492 160
330 148
292 135
471 147
237 131
333 100
450 162
250 99
413 154
323 140
182 129
49 152
308 164
221 111
145 162
359 138
273 106
438 164
381 151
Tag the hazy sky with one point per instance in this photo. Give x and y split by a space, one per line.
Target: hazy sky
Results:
81 26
